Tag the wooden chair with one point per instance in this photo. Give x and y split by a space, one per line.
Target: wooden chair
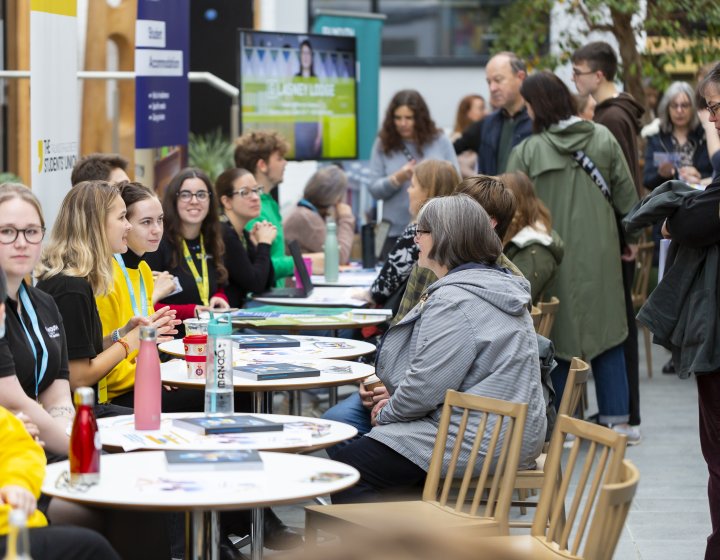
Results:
598 507
534 479
437 510
548 310
536 316
640 291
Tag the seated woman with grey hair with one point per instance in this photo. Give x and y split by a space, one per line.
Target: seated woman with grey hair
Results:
470 332
323 198
680 149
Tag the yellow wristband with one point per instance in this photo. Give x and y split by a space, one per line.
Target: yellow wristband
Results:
125 345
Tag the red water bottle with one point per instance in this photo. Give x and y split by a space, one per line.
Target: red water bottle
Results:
148 385
84 440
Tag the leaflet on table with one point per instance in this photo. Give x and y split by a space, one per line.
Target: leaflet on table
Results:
296 435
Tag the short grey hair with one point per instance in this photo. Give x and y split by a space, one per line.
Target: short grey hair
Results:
461 231
673 90
326 186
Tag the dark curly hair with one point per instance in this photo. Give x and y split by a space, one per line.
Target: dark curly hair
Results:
424 130
210 228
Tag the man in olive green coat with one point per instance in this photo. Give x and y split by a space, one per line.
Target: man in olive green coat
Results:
591 321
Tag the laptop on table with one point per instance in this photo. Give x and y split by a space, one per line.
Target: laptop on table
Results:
305 281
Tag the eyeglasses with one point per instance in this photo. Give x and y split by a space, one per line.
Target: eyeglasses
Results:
680 106
419 232
33 235
187 196
578 72
244 193
712 109
63 482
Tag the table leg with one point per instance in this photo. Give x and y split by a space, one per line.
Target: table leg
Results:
203 541
269 402
258 542
258 402
333 396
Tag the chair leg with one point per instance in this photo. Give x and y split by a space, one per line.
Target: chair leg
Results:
311 531
648 353
522 496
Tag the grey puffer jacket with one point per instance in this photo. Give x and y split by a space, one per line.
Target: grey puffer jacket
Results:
473 334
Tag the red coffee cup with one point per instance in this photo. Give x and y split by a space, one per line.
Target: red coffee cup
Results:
195 355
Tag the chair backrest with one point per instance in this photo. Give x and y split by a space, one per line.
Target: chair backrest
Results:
602 465
499 424
643 263
610 514
536 316
576 381
548 310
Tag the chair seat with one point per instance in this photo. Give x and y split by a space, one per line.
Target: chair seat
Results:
388 516
527 546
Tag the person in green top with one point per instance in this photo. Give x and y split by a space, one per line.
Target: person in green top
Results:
262 152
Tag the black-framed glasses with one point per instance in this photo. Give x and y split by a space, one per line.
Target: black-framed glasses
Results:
187 196
712 109
33 235
577 72
244 193
419 232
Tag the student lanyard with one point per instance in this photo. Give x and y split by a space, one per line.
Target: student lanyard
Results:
143 310
203 284
28 308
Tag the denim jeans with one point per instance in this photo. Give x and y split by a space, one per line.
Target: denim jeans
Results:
611 385
350 411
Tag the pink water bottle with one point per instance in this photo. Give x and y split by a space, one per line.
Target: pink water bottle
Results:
148 385
84 453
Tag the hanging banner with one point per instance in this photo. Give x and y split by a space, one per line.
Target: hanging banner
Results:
162 113
54 111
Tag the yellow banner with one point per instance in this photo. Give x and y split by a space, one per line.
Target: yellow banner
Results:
59 7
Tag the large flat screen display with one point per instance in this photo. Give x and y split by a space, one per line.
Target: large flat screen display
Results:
302 86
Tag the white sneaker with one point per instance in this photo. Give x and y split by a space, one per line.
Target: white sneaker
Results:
632 432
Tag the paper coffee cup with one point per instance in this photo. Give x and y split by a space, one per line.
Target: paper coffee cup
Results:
195 355
372 382
195 326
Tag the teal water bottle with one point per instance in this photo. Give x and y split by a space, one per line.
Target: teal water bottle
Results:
219 390
332 253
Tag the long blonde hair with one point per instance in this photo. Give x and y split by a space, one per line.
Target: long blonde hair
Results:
78 245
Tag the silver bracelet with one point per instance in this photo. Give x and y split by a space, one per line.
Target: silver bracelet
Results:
115 335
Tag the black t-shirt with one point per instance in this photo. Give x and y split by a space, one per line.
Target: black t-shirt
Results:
249 267
76 302
160 260
16 354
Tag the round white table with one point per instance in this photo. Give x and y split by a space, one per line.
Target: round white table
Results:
141 481
299 435
332 374
325 347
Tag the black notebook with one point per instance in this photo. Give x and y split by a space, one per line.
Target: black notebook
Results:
226 424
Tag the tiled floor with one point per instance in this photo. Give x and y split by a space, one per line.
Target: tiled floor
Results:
669 519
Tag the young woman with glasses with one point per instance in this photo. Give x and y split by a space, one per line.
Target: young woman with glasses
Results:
33 356
192 247
247 254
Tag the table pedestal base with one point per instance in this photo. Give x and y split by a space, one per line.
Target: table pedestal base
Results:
202 535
